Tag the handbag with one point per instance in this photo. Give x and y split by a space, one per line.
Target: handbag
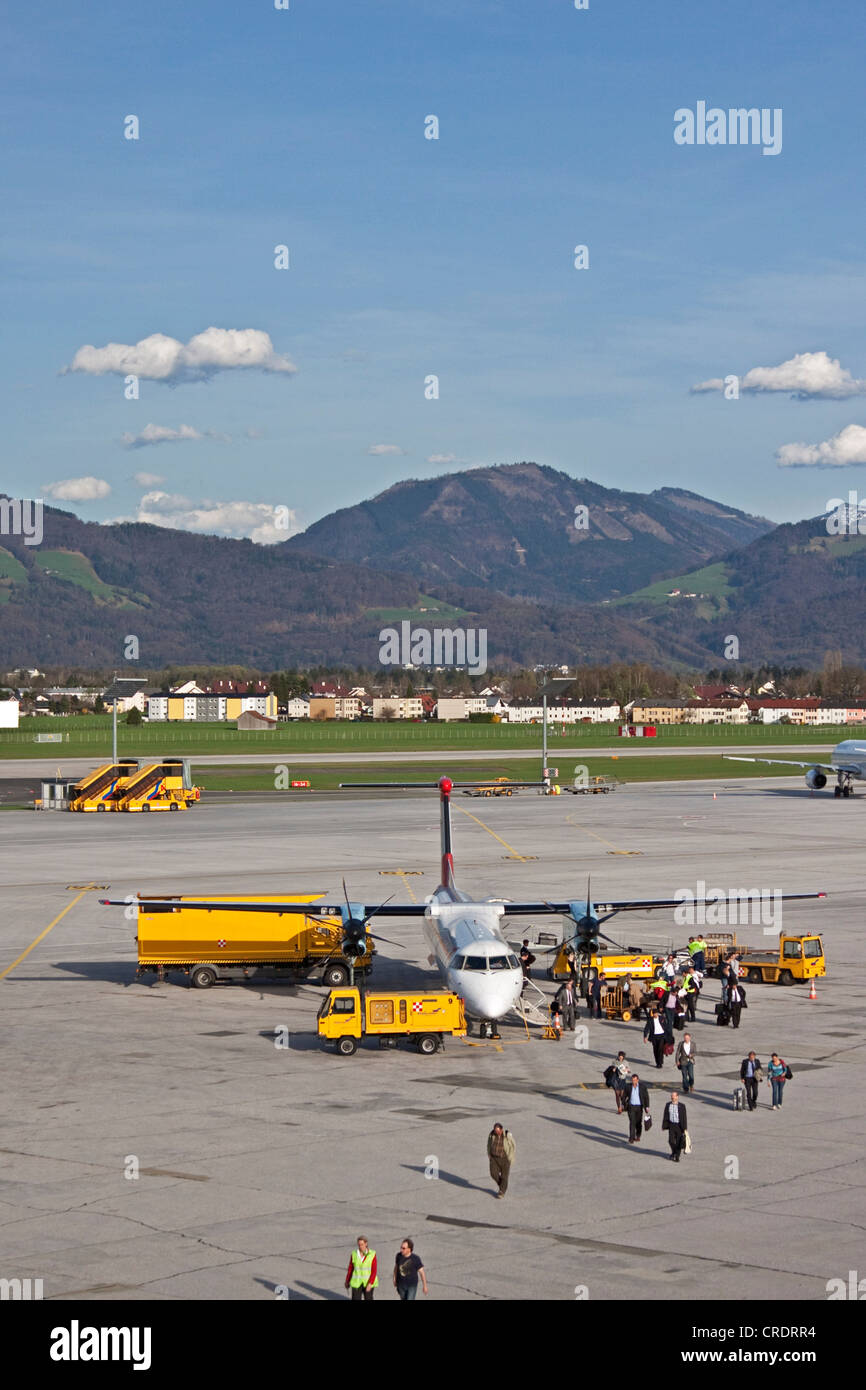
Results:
647 1120
788 1073
687 1142
669 1047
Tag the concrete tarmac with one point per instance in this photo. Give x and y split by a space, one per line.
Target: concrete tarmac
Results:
258 1165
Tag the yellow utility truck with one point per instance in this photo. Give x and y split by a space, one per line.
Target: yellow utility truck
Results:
780 962
222 943
425 1018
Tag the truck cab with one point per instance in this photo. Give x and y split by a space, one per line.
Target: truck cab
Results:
424 1017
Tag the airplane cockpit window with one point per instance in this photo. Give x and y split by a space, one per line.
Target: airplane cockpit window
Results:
513 962
475 963
498 962
457 963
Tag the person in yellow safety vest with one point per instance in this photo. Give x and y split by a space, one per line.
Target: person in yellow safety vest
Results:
690 987
697 947
361 1276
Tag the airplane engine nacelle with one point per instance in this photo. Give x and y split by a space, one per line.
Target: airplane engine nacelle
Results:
816 779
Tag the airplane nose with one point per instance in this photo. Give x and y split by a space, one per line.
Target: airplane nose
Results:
488 998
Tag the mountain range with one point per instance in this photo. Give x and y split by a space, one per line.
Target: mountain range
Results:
555 568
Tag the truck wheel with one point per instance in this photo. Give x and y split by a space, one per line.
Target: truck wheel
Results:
100 806
335 976
346 1046
174 806
203 977
785 977
428 1044
754 976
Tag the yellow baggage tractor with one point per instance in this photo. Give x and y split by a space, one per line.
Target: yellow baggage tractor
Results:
425 1018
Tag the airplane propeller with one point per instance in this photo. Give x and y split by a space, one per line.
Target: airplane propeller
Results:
355 925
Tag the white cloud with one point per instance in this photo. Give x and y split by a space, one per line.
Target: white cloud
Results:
845 450
379 449
77 489
255 520
160 358
148 479
443 458
159 434
807 375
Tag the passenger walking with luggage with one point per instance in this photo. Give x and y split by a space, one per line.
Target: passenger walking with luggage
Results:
657 1033
674 1121
637 1093
685 1060
777 1075
736 1002
500 1151
751 1074
617 1076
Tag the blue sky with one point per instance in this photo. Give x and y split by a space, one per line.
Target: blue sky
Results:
412 257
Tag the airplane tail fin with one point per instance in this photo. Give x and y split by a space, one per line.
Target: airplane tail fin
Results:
444 786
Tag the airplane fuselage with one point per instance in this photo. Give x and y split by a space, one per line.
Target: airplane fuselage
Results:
471 954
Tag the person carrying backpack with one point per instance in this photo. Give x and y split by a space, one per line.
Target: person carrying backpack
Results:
778 1072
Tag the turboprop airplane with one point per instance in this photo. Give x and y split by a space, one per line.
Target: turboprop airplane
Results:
847 764
463 933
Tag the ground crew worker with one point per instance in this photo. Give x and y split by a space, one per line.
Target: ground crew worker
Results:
697 947
690 985
500 1151
361 1276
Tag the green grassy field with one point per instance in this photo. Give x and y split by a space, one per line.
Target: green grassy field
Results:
327 776
711 580
425 608
90 736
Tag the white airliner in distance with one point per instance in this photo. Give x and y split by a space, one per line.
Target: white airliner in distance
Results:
463 933
847 765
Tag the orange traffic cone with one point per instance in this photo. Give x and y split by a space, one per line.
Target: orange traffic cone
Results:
813 993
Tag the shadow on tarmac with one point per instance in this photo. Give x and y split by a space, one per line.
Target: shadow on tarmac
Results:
448 1177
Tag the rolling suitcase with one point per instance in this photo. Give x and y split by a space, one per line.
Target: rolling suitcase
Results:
739 1098
723 1015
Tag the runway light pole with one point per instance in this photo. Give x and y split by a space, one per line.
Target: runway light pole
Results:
559 685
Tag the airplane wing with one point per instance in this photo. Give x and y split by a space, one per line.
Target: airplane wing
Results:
307 909
609 908
787 762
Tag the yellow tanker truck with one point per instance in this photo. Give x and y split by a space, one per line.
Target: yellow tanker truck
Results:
223 944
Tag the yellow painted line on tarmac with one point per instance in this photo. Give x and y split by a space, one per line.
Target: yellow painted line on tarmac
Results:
569 820
51 925
403 874
510 848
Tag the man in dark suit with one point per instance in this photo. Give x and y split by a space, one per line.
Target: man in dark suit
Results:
636 1096
593 996
674 1121
567 1001
656 1032
751 1073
